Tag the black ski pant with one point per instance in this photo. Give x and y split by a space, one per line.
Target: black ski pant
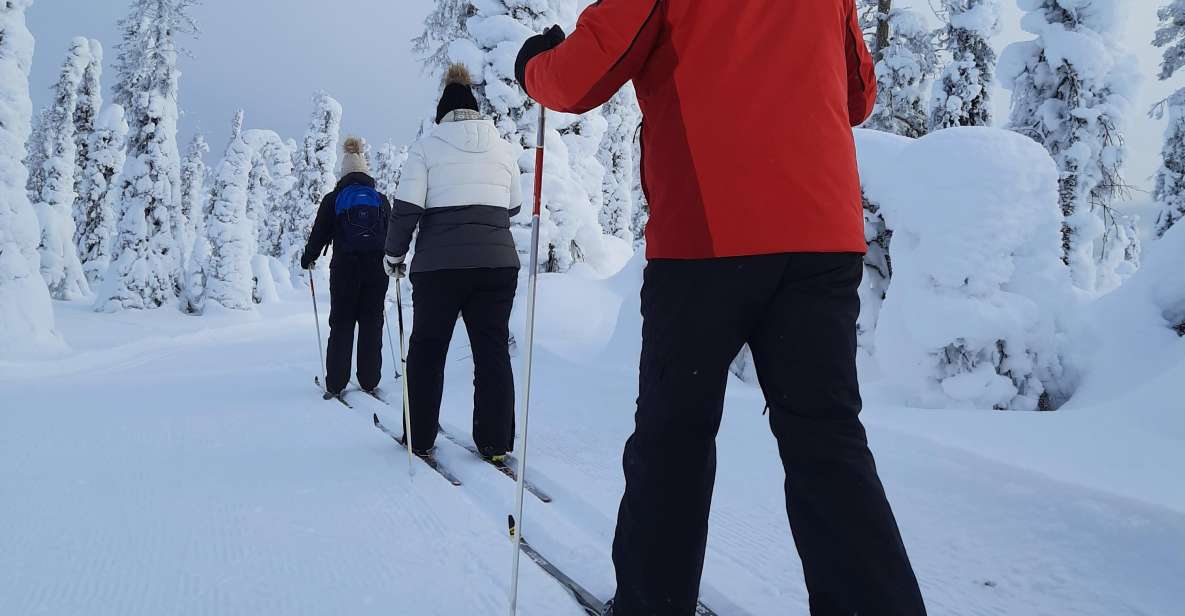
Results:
484 298
357 292
798 314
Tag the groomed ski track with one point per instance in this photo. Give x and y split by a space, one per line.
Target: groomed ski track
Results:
180 465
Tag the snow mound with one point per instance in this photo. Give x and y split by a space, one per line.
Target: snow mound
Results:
969 318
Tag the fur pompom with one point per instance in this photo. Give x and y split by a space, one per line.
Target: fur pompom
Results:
458 74
354 145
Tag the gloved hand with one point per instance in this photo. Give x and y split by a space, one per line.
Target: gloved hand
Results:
395 267
534 46
307 263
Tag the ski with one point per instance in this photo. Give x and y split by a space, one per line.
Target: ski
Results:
429 459
503 467
591 605
325 395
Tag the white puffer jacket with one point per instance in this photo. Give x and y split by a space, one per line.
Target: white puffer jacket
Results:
462 163
461 184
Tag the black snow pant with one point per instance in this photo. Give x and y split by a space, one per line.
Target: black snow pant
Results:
357 290
484 298
798 314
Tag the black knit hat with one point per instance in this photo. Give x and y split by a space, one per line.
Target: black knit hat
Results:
458 93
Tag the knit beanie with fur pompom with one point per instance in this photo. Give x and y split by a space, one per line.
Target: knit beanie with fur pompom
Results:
354 160
458 92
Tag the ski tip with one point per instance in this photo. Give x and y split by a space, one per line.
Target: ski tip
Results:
376 419
510 524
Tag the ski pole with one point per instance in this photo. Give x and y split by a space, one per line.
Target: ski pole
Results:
317 319
411 469
516 521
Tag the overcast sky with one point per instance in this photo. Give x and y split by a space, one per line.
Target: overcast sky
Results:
269 56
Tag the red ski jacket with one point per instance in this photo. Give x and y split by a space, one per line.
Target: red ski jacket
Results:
747 110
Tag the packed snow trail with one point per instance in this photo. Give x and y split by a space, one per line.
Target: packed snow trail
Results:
210 478
181 465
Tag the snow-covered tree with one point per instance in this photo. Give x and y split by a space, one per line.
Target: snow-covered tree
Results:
229 279
903 72
271 179
389 167
971 318
86 113
194 201
55 204
36 154
26 313
238 270
146 270
874 20
1071 92
878 272
193 191
315 166
1169 193
485 37
963 94
98 193
616 155
1170 179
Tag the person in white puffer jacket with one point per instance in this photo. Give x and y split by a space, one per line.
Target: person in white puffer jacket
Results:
460 187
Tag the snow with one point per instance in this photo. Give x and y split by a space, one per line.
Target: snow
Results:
230 487
166 464
970 318
26 318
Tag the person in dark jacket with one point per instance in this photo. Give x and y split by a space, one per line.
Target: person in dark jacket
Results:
353 219
460 186
756 237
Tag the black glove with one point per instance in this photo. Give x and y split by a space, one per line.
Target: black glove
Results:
534 46
306 262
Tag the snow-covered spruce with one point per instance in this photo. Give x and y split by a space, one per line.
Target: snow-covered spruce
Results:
55 204
193 192
315 166
970 318
146 268
616 156
86 114
963 93
903 73
194 203
1071 92
237 275
389 167
271 179
1169 193
485 37
99 191
26 313
874 150
1170 178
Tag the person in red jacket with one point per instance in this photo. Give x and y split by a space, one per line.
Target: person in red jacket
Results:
755 237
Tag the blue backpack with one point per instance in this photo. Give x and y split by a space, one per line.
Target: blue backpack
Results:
361 226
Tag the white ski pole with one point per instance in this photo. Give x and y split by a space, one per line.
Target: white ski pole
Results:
411 468
317 320
516 521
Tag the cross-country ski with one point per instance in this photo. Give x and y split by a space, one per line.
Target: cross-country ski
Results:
427 458
807 308
503 466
